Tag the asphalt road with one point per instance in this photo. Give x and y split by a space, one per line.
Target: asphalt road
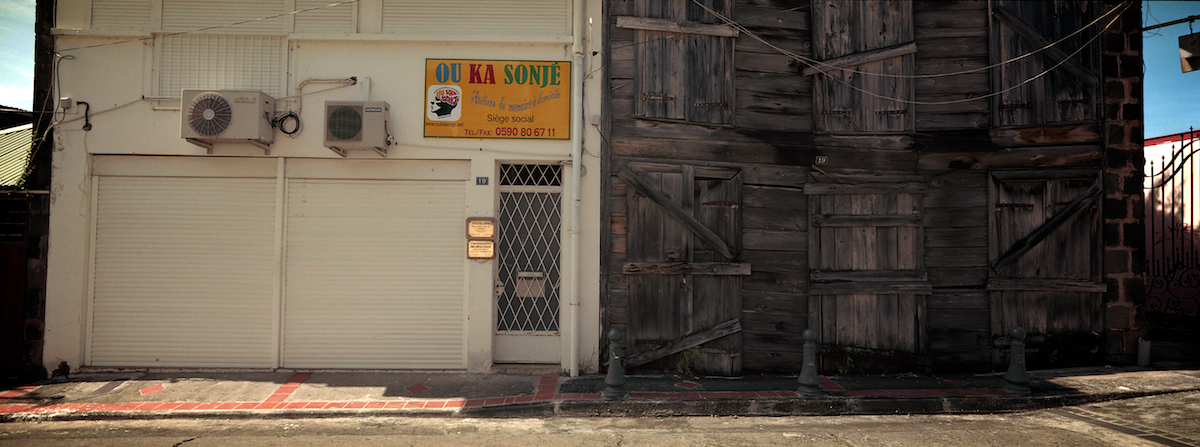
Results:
1151 421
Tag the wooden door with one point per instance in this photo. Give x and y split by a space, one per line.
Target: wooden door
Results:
683 279
868 282
1045 271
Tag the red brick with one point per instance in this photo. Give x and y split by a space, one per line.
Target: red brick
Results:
375 404
475 402
299 377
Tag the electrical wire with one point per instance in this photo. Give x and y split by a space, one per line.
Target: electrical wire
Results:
907 101
813 63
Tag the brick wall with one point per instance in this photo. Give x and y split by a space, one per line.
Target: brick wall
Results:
1124 210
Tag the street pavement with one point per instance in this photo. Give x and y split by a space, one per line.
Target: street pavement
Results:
280 394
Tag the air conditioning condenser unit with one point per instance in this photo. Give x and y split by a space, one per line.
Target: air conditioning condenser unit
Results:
356 125
227 116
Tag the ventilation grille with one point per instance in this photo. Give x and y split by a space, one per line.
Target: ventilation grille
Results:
319 17
477 17
213 62
224 16
121 14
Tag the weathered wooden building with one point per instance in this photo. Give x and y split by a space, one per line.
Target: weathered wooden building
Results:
911 179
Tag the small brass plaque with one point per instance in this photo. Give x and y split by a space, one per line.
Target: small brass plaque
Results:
481 228
481 249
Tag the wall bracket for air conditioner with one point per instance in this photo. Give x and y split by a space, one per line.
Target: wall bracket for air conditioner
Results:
209 146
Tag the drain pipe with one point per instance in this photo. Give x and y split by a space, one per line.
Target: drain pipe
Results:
576 176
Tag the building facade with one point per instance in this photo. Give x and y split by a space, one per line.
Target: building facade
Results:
910 179
371 184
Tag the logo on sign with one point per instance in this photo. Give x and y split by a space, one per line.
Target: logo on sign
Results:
444 103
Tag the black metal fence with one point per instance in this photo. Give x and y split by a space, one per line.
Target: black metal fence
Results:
1172 240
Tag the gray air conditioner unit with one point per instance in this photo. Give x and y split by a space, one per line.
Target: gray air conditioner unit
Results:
227 116
356 125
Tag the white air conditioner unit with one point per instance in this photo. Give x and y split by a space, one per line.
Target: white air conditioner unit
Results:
356 125
227 116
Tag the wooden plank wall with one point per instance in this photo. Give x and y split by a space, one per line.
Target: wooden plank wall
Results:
773 143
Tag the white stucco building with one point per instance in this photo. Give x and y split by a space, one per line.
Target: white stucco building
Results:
259 243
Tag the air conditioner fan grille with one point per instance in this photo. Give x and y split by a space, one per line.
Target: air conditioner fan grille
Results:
345 123
209 114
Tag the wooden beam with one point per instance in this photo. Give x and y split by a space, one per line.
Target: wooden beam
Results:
867 275
871 287
1053 285
671 26
729 327
851 60
1034 37
686 268
674 210
1023 245
865 188
890 220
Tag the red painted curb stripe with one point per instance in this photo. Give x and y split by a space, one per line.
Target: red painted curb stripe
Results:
830 385
284 391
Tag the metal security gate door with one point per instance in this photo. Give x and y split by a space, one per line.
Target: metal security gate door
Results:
527 277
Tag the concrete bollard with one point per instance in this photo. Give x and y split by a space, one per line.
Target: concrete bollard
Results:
1143 352
810 384
615 380
1017 376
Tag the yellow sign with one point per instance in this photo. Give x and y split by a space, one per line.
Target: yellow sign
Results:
481 249
481 228
497 99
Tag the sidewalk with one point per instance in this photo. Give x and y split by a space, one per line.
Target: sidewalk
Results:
139 394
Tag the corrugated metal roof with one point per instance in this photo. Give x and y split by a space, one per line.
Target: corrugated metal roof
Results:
15 144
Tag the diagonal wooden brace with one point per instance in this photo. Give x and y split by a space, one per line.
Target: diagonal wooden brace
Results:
729 327
1023 245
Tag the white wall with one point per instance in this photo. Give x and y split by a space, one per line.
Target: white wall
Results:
115 74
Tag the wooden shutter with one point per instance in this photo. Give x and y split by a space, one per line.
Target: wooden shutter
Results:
684 284
866 252
685 61
867 48
1064 95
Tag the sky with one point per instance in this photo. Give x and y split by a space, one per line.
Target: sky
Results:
1172 98
16 53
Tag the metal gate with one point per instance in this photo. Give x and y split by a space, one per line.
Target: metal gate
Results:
1172 245
528 274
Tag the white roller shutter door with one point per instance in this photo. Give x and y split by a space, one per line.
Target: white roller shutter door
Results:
374 274
184 272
